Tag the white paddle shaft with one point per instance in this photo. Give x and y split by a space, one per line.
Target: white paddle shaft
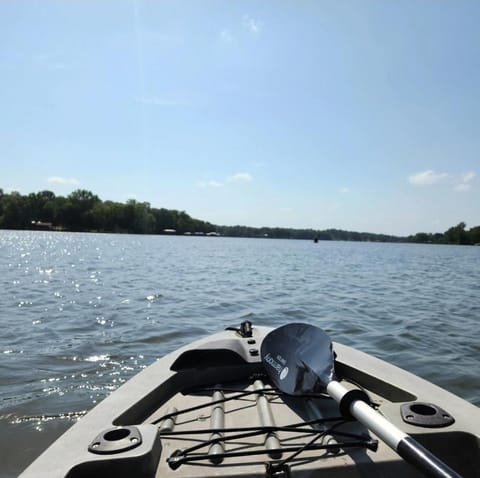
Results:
366 415
396 439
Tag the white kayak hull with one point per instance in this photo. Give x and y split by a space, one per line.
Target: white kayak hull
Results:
208 409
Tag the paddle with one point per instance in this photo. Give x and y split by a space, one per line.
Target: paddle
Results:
299 359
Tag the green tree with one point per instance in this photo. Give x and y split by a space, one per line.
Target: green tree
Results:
15 211
79 204
474 235
457 234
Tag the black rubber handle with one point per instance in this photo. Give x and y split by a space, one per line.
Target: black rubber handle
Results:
411 451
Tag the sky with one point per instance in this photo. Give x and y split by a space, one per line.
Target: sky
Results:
361 116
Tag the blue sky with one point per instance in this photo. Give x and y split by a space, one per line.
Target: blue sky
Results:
355 115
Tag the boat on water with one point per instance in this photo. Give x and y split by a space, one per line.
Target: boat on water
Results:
260 402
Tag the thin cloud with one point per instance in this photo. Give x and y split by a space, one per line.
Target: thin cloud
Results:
344 190
254 26
465 181
63 181
426 178
458 182
235 178
248 24
240 178
210 184
226 36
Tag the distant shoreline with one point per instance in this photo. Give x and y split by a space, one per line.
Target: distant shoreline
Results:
83 211
399 239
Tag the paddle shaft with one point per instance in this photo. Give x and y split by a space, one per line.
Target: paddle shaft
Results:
408 448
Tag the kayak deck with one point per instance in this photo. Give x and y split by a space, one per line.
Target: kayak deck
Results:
259 426
208 410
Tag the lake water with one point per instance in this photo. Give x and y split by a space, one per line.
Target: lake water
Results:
81 313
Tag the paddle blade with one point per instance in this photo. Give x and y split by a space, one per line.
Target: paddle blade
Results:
298 358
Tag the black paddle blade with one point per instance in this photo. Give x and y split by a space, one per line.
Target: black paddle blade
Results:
298 358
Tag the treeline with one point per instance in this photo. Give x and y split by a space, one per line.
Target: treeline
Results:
84 211
309 234
455 235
